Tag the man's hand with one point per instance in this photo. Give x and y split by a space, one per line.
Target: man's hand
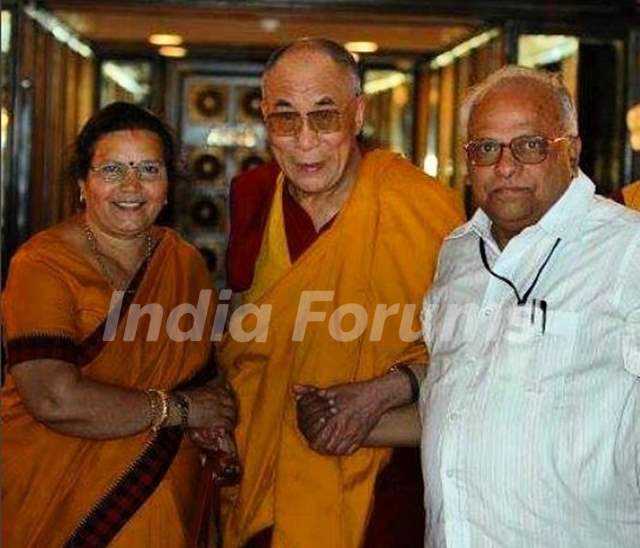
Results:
313 411
337 420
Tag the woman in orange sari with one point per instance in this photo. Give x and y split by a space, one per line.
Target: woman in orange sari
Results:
105 373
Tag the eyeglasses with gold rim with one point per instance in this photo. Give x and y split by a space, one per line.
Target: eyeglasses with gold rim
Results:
527 149
290 123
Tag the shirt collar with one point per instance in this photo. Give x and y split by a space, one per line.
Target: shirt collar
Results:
562 220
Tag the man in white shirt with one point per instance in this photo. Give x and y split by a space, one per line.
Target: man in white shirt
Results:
531 405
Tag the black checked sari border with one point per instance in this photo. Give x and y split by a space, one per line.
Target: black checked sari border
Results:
129 493
41 346
138 482
141 478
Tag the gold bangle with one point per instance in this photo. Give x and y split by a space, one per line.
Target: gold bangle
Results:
154 406
159 405
182 404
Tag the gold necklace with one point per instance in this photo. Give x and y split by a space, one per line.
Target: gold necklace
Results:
93 245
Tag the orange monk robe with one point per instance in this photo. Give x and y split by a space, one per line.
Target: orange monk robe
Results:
381 250
631 195
53 305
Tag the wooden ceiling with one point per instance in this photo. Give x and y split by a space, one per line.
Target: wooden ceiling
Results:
413 27
113 26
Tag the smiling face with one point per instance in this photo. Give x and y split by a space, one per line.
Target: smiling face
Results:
128 208
516 195
308 80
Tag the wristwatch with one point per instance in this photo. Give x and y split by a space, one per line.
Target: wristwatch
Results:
181 403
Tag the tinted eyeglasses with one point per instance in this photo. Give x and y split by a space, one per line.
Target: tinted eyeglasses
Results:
527 149
117 172
290 123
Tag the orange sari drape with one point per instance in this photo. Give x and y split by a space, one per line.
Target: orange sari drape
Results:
631 195
381 250
54 306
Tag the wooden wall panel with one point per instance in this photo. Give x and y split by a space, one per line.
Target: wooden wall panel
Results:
87 91
423 81
61 94
55 132
39 191
72 65
446 122
463 77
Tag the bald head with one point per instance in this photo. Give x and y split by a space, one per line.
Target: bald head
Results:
311 47
546 85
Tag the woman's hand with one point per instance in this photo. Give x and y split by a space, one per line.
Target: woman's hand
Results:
212 407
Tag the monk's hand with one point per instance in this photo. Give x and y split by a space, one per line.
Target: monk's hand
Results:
313 411
208 439
212 407
359 406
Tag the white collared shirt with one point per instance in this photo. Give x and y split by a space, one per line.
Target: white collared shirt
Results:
531 432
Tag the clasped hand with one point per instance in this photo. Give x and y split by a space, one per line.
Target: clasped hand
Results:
337 420
212 415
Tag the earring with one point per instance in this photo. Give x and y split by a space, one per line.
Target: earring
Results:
81 196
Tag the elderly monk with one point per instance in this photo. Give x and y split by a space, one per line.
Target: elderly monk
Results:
102 384
360 229
530 406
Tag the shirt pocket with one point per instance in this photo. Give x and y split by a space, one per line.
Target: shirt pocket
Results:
536 349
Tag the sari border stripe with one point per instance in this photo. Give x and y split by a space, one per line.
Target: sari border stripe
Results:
139 480
90 347
131 491
41 347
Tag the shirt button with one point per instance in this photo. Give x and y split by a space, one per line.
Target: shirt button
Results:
449 473
454 416
487 312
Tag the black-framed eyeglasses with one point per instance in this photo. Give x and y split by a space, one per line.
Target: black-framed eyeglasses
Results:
117 172
527 149
290 123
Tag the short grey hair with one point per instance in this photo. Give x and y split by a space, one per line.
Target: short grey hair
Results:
336 52
514 73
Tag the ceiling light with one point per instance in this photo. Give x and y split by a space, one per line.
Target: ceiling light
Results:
172 51
59 30
385 83
269 24
165 39
361 47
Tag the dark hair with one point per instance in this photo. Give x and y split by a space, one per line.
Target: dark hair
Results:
334 50
117 117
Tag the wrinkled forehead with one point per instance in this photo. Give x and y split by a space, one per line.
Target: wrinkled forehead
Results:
520 106
307 78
